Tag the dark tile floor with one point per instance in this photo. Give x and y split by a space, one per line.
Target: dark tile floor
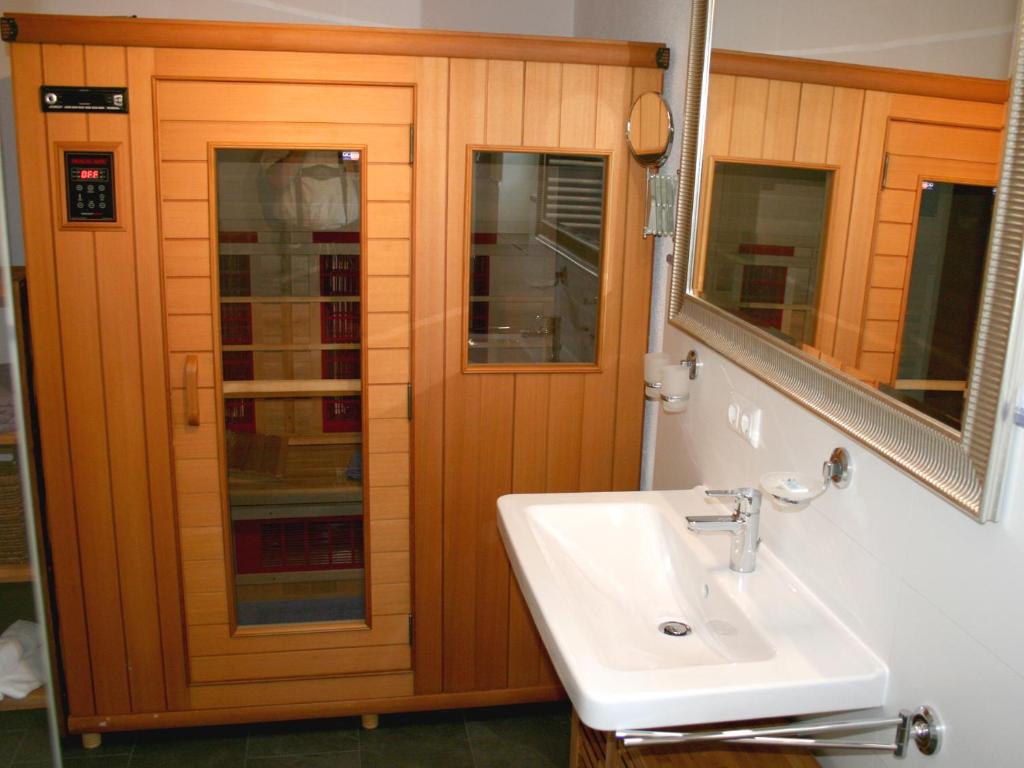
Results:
535 736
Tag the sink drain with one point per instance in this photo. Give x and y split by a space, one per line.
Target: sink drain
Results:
674 628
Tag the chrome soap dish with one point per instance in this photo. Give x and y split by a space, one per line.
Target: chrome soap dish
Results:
797 489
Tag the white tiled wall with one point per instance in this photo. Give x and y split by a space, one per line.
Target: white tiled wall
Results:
935 594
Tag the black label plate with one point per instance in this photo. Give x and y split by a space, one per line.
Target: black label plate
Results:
61 98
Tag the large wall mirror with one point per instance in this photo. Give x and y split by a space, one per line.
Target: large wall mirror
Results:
851 238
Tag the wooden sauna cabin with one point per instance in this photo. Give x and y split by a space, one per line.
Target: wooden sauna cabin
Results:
258 260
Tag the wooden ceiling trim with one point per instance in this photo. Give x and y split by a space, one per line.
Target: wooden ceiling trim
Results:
907 81
223 35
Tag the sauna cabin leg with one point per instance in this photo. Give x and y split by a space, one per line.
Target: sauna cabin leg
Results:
370 722
92 740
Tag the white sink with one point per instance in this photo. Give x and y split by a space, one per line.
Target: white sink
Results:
602 571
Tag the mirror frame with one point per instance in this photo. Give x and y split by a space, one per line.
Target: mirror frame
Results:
953 464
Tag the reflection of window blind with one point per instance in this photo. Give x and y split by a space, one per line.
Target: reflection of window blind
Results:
574 198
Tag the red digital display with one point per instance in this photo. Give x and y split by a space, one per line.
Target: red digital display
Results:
90 174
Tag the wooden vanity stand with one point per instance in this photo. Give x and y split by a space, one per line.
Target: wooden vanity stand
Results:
598 749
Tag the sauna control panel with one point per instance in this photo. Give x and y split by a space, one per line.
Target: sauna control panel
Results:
89 181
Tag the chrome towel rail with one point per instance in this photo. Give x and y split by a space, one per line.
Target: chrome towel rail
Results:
922 726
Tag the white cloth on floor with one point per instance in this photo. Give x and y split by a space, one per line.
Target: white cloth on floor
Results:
21 659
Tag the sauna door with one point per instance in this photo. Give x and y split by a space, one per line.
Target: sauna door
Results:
920 155
284 208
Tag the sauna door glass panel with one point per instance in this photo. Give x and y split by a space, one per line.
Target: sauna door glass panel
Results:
943 297
289 239
765 244
535 257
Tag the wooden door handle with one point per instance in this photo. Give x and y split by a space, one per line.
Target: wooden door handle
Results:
192 390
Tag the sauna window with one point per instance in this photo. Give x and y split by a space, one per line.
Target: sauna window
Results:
765 246
535 257
289 234
943 298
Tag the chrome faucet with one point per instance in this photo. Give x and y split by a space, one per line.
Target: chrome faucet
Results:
742 524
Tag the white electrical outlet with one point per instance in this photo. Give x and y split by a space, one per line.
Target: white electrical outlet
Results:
745 419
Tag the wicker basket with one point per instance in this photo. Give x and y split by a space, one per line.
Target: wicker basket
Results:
13 548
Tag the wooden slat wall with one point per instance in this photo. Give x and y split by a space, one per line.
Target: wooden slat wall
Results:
216 656
531 431
116 275
87 430
112 619
469 456
41 270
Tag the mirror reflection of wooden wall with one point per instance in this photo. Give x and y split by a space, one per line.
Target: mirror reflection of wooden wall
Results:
855 121
649 125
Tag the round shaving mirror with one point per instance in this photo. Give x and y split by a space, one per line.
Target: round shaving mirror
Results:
649 130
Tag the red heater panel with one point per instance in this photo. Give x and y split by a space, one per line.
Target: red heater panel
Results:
299 544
